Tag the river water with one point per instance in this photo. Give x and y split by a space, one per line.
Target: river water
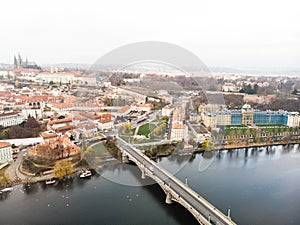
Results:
260 186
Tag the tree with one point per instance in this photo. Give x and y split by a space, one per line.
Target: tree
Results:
157 116
4 133
208 145
45 152
165 118
31 123
18 132
62 169
127 128
295 92
192 142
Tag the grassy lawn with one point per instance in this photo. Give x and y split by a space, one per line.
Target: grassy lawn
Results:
270 125
147 141
125 138
240 130
146 129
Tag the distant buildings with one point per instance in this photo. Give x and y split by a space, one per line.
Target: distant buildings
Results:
56 77
229 87
5 152
246 115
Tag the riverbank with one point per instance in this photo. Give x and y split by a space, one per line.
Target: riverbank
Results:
15 175
254 145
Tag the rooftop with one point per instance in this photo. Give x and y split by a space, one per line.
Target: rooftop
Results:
4 144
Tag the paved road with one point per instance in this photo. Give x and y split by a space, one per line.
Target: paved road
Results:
191 197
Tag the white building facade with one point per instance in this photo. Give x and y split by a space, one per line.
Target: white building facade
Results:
5 152
10 119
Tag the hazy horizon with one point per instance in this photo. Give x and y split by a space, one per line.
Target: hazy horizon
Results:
234 34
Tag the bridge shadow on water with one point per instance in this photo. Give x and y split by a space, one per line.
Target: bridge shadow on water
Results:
175 210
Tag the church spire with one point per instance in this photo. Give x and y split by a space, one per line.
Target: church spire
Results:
15 62
20 59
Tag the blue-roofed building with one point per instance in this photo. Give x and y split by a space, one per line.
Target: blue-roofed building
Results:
246 115
236 117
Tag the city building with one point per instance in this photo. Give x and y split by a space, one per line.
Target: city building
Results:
248 116
5 152
229 87
59 123
167 110
105 122
36 113
56 77
179 130
10 119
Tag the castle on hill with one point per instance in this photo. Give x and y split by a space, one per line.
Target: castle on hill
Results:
19 63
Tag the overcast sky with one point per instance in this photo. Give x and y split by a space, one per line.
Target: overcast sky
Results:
229 33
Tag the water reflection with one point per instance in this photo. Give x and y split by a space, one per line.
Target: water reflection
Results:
206 160
4 195
30 188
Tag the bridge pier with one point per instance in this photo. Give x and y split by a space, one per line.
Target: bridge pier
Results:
143 173
169 198
125 158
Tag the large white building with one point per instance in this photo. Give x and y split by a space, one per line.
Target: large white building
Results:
293 119
63 77
10 119
36 113
246 115
5 152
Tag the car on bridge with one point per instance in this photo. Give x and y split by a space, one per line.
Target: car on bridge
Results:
151 168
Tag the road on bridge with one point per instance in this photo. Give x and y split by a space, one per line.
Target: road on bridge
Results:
198 203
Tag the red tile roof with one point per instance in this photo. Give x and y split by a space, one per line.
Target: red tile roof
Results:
4 144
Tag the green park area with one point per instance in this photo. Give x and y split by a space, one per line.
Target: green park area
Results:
266 128
146 129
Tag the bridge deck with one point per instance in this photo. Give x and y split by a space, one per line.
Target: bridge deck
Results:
201 209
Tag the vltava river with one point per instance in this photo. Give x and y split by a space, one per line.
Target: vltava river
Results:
261 186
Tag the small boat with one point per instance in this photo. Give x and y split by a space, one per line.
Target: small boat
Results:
8 189
50 181
85 173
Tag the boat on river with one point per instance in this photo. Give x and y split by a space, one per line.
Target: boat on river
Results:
85 173
50 181
8 189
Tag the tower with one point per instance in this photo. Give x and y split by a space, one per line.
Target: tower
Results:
247 114
20 61
15 62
